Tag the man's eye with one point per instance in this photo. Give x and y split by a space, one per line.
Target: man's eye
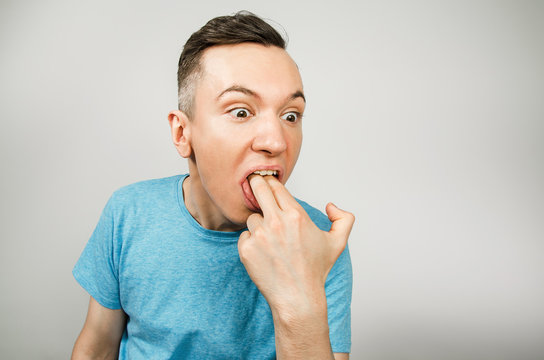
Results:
240 113
291 116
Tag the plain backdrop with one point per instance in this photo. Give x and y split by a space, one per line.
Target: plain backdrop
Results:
425 119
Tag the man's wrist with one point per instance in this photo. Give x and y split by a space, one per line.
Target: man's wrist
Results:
301 319
293 316
302 333
306 308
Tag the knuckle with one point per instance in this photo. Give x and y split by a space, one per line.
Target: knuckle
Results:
244 250
243 238
294 215
275 224
348 215
244 258
259 233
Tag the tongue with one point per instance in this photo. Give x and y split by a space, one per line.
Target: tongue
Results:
248 192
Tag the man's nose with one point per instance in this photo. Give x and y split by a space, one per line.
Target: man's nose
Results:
269 135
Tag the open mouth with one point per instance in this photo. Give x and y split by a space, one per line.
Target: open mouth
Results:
265 172
249 197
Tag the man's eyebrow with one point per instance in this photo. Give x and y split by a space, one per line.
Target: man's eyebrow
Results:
246 91
238 88
298 94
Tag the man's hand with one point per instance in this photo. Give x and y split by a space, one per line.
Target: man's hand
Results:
288 257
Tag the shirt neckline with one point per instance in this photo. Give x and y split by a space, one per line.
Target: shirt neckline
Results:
223 236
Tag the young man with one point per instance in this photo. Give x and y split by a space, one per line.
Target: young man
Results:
222 263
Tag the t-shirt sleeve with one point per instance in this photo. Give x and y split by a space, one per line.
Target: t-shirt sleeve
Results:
97 268
338 288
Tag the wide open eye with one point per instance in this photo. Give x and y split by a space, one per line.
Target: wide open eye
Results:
291 116
240 113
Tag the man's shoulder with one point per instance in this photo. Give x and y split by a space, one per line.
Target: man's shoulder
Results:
148 185
150 191
318 217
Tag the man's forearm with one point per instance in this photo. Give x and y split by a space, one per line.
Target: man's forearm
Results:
86 351
303 332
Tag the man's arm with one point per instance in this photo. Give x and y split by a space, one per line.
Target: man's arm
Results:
101 334
289 258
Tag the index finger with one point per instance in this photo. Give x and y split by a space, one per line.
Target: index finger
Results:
263 194
283 197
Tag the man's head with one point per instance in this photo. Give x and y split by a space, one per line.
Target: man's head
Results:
243 27
246 107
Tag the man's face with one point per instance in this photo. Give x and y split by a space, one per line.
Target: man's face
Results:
247 117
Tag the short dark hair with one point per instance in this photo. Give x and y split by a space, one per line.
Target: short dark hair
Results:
241 27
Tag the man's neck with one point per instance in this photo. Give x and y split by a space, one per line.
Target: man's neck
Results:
202 209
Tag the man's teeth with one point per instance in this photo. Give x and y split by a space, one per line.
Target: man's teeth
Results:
266 172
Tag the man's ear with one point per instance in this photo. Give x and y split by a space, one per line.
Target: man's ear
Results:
181 132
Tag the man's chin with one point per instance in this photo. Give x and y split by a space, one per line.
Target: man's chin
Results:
240 220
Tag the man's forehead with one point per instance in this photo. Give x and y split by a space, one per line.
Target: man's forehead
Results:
249 64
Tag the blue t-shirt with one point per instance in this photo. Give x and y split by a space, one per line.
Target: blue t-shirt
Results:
183 287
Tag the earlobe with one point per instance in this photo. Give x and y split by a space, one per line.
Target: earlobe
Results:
181 132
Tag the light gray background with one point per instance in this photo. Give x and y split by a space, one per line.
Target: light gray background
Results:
424 118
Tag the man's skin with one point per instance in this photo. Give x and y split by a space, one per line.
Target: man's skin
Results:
247 116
